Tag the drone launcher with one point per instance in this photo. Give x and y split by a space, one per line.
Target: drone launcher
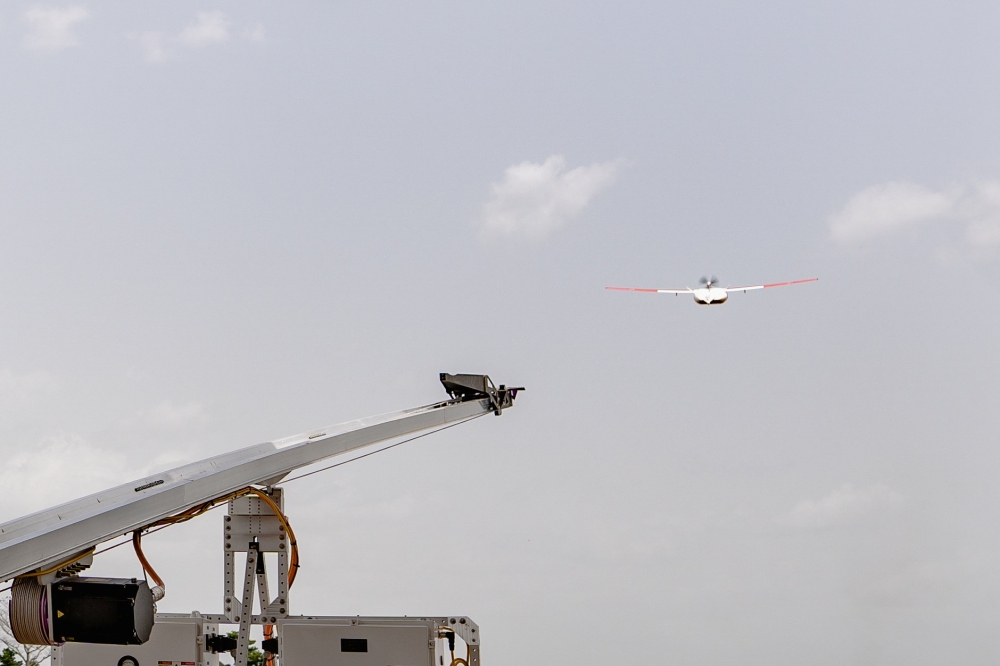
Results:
44 552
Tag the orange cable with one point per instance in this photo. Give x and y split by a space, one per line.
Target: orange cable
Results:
137 544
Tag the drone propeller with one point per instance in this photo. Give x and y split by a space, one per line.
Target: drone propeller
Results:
709 281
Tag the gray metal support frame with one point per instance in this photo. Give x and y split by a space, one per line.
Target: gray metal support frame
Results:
251 527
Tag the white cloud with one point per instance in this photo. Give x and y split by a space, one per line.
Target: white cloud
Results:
533 200
922 583
886 208
891 207
843 506
58 469
255 33
16 387
210 28
41 473
153 47
52 29
609 539
982 210
169 415
23 395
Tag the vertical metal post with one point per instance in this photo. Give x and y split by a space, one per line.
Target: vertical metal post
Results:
263 596
232 604
246 614
282 598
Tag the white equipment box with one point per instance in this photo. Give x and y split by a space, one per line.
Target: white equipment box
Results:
335 641
376 641
180 640
176 640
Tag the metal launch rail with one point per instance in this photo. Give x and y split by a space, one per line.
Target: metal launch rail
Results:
52 539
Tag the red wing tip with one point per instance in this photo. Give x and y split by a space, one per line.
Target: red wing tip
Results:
630 289
784 284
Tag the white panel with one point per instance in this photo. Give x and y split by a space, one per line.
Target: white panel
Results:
316 644
173 642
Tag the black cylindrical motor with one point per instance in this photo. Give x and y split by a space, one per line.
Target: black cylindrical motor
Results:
117 611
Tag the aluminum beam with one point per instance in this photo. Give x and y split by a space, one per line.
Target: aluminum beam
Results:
48 537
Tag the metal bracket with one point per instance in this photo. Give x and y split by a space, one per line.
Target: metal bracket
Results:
468 631
465 628
67 571
478 387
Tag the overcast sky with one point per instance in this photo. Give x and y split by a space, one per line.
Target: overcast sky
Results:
226 223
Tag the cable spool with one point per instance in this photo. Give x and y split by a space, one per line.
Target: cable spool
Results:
112 611
29 612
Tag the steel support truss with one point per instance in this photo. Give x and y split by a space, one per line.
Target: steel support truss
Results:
251 527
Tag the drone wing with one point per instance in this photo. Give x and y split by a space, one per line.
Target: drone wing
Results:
768 286
652 291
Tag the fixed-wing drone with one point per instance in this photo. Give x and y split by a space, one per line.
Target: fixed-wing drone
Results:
709 293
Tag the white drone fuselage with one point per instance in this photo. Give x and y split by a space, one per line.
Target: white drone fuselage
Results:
710 295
